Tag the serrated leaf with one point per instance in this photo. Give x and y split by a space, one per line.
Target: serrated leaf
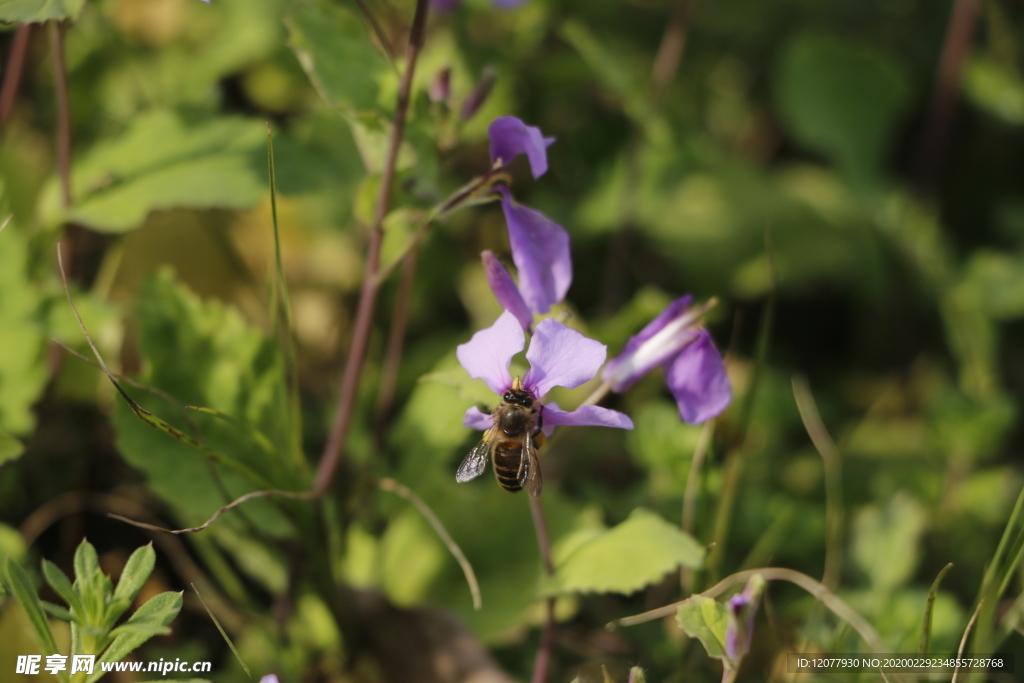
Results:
624 559
334 47
60 583
204 353
159 162
706 620
35 11
25 593
136 570
149 620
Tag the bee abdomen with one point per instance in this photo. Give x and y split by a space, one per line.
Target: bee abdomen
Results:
506 466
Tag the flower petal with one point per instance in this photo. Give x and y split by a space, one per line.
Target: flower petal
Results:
585 416
659 341
561 357
697 380
487 355
477 419
269 678
510 137
505 290
540 250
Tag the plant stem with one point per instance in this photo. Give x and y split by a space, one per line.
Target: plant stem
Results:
947 82
670 52
368 298
540 666
60 77
12 74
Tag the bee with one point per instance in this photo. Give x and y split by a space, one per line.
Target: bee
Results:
512 443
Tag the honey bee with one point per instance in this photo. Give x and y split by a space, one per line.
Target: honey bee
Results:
512 443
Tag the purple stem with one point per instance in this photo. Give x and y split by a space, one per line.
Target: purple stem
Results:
12 74
368 297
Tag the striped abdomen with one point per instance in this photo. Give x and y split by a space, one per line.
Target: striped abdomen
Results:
508 455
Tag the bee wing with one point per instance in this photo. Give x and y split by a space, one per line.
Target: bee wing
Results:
475 463
529 468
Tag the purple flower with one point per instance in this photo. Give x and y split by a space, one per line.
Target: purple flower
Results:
269 678
510 137
540 250
559 357
505 290
742 609
694 370
448 5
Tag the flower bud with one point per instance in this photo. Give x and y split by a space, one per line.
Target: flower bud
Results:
441 87
479 94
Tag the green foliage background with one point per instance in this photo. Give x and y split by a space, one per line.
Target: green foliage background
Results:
782 166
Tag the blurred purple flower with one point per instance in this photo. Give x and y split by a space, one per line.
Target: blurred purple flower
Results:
505 290
448 5
441 87
694 370
510 137
742 608
540 250
558 355
269 678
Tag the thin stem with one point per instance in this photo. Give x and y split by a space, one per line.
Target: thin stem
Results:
60 77
12 74
393 352
368 298
963 640
670 52
832 601
832 464
690 495
405 492
540 666
947 81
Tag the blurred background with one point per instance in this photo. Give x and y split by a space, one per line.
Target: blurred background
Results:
845 177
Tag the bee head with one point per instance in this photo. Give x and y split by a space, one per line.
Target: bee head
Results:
518 397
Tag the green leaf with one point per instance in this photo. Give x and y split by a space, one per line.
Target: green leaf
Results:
56 611
706 620
62 586
23 340
35 11
25 593
995 89
204 353
10 448
149 620
87 562
624 559
334 47
136 570
160 162
840 98
887 540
